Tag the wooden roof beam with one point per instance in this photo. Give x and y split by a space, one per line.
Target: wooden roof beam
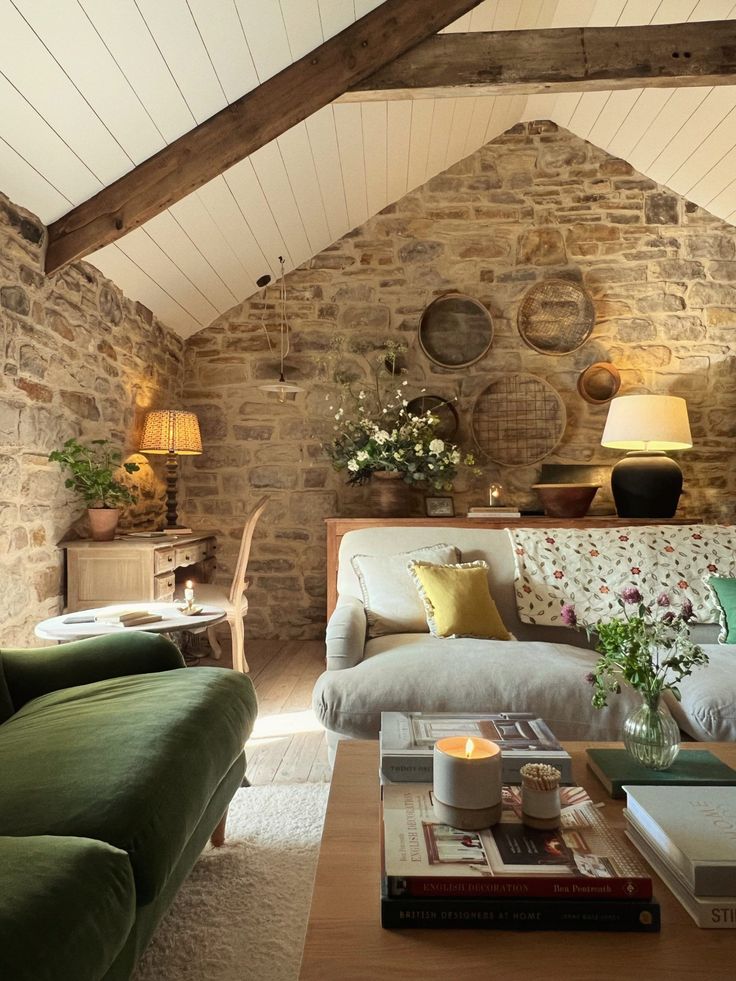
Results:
585 59
258 117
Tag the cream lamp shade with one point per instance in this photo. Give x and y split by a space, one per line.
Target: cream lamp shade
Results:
647 422
171 431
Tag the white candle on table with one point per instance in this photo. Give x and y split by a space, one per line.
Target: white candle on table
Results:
467 782
189 592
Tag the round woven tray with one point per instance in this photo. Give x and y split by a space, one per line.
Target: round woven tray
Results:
518 420
556 316
455 331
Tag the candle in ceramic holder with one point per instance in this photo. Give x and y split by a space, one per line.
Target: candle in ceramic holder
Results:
189 593
467 782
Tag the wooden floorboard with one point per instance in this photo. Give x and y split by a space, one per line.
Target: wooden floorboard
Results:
288 745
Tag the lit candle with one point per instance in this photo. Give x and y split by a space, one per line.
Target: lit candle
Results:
494 494
467 782
189 592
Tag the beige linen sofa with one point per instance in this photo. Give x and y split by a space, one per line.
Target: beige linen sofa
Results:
542 670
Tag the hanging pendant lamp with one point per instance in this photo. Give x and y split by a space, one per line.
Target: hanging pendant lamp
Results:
282 389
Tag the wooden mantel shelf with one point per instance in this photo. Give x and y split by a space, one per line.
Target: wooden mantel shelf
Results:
337 527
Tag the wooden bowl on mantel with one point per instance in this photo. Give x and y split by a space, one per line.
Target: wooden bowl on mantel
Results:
566 500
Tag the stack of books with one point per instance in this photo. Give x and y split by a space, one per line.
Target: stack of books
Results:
407 739
128 618
579 877
688 836
500 512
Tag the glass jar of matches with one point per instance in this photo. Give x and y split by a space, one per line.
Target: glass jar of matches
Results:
540 796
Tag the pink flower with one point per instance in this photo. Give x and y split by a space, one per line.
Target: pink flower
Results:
568 615
594 553
623 538
682 584
669 548
635 570
550 541
663 600
712 568
519 551
630 594
527 589
557 574
604 589
698 538
686 611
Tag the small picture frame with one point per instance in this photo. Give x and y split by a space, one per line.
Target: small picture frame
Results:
439 507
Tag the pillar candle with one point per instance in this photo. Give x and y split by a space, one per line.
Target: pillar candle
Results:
467 782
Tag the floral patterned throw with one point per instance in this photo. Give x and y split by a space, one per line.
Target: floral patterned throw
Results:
590 567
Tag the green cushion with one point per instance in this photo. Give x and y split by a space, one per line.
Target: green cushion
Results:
6 703
132 761
67 906
724 591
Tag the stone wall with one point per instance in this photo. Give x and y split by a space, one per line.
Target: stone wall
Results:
79 359
535 203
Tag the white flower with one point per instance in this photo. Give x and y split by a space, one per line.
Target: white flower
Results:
353 466
362 455
361 395
436 446
381 437
455 456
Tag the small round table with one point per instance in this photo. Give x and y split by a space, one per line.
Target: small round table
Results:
59 628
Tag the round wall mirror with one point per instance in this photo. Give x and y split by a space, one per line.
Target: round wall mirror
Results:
455 331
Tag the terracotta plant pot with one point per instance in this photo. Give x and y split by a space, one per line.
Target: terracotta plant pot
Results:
389 495
103 522
566 500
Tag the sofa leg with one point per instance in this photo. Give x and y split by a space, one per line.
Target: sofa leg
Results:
218 835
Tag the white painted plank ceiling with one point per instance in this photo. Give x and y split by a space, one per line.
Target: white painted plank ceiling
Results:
89 88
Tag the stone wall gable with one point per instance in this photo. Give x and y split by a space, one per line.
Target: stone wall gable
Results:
536 202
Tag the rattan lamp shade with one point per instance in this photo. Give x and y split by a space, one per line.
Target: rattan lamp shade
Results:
171 431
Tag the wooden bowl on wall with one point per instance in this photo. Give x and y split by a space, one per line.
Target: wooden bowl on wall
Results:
566 500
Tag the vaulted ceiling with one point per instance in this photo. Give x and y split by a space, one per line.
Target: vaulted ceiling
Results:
90 88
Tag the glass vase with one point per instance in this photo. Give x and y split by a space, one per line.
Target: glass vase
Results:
651 735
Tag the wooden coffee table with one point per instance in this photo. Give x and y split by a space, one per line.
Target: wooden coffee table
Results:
345 941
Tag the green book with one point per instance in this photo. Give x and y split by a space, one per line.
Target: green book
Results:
693 767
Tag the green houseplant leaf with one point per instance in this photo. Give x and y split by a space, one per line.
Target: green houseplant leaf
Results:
93 472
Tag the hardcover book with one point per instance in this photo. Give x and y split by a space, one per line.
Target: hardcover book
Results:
407 740
709 912
583 859
693 767
694 829
640 916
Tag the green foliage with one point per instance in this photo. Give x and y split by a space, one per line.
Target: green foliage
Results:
649 651
93 469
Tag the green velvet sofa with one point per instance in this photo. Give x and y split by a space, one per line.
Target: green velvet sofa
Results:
117 764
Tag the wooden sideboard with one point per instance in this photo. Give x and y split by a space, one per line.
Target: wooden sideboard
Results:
337 527
134 569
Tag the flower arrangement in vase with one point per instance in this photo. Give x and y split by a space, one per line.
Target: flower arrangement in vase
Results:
648 648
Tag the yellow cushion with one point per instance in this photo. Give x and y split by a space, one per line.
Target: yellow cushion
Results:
457 600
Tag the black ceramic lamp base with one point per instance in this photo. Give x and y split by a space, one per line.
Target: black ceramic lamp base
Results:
646 485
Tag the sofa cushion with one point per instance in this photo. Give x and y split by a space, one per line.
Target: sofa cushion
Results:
132 761
707 711
724 592
415 672
67 906
457 601
392 605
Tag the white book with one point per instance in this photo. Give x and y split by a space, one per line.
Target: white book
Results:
709 912
694 829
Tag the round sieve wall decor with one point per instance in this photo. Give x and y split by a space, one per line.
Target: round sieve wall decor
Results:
444 410
455 331
518 420
556 316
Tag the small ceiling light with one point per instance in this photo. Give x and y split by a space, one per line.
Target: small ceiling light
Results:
282 389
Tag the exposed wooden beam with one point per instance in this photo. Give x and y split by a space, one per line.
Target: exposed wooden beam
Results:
258 117
583 59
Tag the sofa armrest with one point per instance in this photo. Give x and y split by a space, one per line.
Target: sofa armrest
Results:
346 634
33 672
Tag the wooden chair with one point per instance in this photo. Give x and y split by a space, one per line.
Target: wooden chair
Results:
234 600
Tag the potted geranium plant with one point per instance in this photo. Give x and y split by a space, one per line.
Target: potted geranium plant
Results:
648 648
95 471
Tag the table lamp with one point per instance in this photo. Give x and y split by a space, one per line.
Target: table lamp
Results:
174 433
647 483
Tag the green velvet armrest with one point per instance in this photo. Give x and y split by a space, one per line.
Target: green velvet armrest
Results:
34 672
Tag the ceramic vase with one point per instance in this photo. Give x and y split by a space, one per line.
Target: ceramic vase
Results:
651 735
103 522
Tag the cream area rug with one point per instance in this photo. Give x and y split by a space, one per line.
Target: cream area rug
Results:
242 913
